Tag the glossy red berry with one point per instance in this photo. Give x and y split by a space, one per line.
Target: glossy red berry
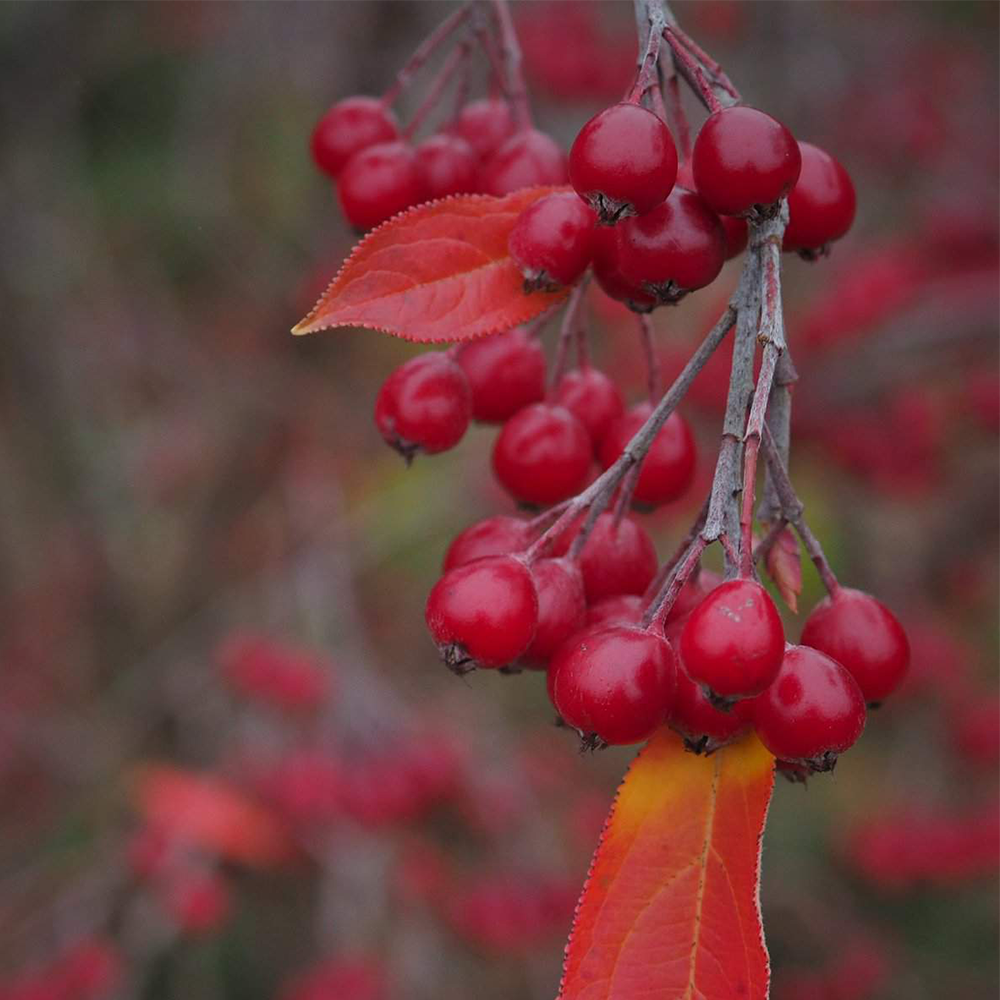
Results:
552 241
485 125
733 642
446 165
703 726
424 405
506 372
812 711
623 162
608 272
744 158
737 235
592 397
864 637
526 159
668 468
821 206
561 607
622 609
677 247
542 455
614 686
496 536
348 127
484 613
377 183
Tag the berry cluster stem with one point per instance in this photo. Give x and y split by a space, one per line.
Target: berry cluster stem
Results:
779 420
654 372
514 85
456 61
651 23
569 330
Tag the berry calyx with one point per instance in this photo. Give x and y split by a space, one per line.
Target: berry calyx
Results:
677 247
864 637
377 183
506 373
446 165
542 455
704 727
552 242
424 405
733 642
483 614
526 159
561 607
811 712
623 162
485 125
608 272
614 686
744 159
668 468
821 205
592 397
496 536
348 127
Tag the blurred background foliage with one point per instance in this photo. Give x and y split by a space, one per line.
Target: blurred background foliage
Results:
179 476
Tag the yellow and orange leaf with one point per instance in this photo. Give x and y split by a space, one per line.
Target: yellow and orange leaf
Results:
437 273
210 814
671 909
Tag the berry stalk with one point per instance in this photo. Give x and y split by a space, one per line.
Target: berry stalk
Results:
514 85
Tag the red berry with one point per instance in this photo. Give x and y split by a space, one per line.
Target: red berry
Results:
424 405
485 125
526 159
561 607
821 206
199 903
623 162
737 235
615 686
348 127
677 247
864 637
733 642
446 165
484 613
506 372
496 536
668 468
592 397
744 158
608 272
552 241
704 727
542 455
622 609
691 595
378 182
617 558
812 711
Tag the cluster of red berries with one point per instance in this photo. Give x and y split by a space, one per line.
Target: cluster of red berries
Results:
379 173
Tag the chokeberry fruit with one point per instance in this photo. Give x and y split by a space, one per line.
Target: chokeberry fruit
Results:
446 165
821 206
483 613
622 609
811 712
677 247
348 127
526 159
552 241
506 372
668 468
864 637
614 686
733 642
424 405
737 235
496 536
703 727
608 272
744 158
561 607
592 397
485 125
542 455
623 162
377 182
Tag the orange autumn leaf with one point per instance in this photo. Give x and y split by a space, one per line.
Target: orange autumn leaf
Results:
439 272
671 909
210 814
784 565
